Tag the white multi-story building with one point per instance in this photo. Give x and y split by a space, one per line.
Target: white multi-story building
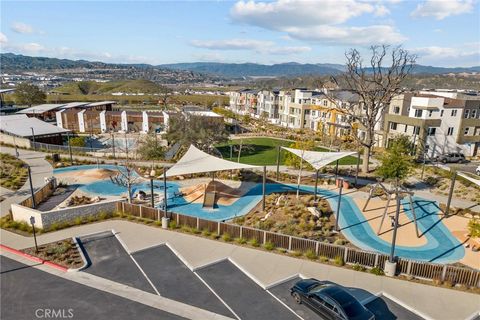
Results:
437 122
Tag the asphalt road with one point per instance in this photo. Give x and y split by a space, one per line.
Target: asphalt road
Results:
29 293
466 167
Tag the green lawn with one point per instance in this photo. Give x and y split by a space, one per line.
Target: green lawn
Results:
263 151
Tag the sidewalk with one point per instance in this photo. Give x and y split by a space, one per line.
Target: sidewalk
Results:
40 170
268 268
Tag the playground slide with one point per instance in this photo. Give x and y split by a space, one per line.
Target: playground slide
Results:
209 199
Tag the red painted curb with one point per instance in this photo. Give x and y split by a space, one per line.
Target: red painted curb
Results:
33 258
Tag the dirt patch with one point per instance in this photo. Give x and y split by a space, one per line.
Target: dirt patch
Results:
301 217
63 252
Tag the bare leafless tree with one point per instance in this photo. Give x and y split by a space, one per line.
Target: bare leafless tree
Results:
373 86
126 173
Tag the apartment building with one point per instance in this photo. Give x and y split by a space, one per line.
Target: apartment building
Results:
297 109
437 122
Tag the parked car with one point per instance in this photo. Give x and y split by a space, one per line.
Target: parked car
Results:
478 170
452 157
329 300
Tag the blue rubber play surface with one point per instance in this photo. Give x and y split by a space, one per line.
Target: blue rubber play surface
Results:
441 245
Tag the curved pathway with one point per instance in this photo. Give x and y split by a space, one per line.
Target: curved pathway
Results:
40 170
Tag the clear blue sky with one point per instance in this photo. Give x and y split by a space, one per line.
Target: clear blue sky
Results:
441 32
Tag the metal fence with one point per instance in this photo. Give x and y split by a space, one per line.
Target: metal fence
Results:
368 259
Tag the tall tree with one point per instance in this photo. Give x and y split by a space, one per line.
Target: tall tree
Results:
149 148
164 95
29 94
202 132
396 162
374 84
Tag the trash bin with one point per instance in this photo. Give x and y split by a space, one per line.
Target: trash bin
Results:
55 157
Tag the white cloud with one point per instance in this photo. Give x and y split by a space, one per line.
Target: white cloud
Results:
440 9
293 13
377 34
381 10
266 47
319 21
3 38
461 55
231 44
23 28
287 50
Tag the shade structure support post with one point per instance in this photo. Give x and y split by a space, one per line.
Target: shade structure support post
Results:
450 193
113 145
151 193
394 237
370 194
414 215
358 169
264 181
300 175
384 214
165 191
279 149
338 205
316 185
336 170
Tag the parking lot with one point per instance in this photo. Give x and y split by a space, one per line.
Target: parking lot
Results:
220 287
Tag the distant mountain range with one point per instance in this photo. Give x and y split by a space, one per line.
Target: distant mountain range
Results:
13 62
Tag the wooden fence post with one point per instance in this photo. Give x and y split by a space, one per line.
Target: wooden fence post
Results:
158 214
123 207
141 213
198 224
444 272
345 255
409 266
241 232
316 247
290 243
218 228
264 237
178 219
376 260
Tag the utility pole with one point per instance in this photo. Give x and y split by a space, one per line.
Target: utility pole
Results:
33 137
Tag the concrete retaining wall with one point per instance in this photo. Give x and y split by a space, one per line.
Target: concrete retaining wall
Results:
45 219
20 142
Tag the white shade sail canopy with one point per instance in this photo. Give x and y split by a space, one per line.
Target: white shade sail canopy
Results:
197 161
319 159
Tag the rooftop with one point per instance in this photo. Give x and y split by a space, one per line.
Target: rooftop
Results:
21 126
42 108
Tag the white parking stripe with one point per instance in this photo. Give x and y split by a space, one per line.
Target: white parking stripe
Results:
213 291
144 274
285 305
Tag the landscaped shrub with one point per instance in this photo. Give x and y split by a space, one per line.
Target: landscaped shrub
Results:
338 260
358 267
158 223
172 224
340 242
78 221
269 245
206 232
226 237
296 253
310 254
323 259
254 242
54 226
240 240
377 271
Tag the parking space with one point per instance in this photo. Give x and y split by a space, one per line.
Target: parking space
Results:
282 292
247 299
30 293
385 309
175 281
109 260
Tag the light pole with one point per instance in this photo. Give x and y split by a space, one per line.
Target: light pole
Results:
32 221
69 148
33 137
31 186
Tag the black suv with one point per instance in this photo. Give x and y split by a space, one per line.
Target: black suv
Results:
329 300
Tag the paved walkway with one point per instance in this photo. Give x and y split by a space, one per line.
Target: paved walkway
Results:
268 268
40 170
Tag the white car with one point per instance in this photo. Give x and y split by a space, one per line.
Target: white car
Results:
478 170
